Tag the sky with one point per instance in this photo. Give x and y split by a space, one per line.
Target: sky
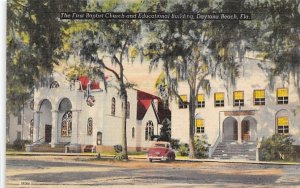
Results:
139 73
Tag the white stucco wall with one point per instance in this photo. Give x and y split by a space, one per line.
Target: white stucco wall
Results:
265 116
23 127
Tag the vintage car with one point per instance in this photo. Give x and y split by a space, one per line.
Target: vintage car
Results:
161 151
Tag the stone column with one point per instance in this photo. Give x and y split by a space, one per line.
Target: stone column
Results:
36 126
74 136
54 133
239 130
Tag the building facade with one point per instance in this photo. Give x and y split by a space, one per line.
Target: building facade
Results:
83 113
249 111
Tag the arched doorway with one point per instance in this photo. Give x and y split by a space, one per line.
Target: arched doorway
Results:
230 129
45 123
249 129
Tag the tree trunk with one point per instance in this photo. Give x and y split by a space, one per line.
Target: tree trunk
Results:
124 135
192 123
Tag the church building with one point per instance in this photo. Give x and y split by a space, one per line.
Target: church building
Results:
81 114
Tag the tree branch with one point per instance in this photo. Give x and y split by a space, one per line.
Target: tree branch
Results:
109 69
201 81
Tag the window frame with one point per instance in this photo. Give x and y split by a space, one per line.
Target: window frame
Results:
238 102
89 127
132 132
68 116
201 128
284 128
185 103
113 106
200 103
149 130
259 101
219 103
283 99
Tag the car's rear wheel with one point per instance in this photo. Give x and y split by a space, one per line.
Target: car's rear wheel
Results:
173 157
150 160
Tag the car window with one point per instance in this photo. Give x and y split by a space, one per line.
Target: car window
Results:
160 145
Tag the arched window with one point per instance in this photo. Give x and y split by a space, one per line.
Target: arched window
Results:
128 110
113 106
66 124
90 126
54 84
149 131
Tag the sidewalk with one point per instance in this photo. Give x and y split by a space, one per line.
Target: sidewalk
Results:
183 159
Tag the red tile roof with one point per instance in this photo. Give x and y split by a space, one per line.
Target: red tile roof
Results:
144 101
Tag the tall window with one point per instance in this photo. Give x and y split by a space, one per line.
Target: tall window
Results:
200 101
19 135
31 129
149 131
132 132
199 126
282 96
99 138
282 124
66 124
259 97
113 106
19 118
90 126
219 99
238 98
128 110
184 103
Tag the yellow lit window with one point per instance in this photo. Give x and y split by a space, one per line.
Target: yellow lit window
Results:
238 98
283 124
199 126
219 99
184 103
200 101
282 96
259 97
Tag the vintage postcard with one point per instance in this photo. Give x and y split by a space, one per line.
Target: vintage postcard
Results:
152 93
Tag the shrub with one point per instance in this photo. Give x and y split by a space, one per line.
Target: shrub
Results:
165 130
201 147
175 143
277 147
183 149
19 145
118 152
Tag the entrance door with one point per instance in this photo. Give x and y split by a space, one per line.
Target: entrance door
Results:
245 130
230 129
48 133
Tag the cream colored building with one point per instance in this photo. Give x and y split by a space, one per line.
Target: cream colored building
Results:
247 112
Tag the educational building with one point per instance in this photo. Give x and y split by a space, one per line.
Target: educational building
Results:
242 114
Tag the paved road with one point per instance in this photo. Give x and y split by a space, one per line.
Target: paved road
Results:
43 171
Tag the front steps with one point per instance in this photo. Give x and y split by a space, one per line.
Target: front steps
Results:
235 151
46 147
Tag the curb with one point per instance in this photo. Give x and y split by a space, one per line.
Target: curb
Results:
144 157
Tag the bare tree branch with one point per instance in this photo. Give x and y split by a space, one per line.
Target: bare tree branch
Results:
109 69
